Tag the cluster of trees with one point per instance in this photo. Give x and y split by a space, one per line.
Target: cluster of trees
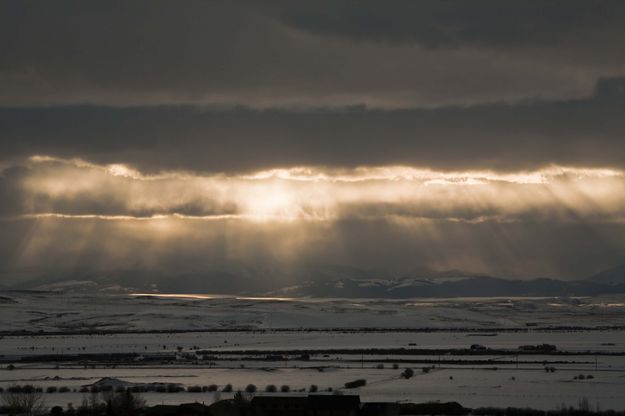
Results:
583 409
28 401
409 372
271 388
201 389
538 348
25 400
111 404
583 377
54 389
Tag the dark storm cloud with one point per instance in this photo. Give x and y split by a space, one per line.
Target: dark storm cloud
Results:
586 132
203 88
268 54
454 23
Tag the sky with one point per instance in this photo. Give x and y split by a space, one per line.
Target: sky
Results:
249 145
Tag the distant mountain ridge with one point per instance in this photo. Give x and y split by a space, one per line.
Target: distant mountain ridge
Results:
472 286
334 282
613 276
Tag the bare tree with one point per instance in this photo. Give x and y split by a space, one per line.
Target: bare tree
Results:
25 400
123 403
112 403
91 404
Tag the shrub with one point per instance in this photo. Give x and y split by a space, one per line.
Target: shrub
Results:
194 389
425 370
173 388
271 388
64 389
285 389
56 411
380 366
395 366
250 388
227 388
407 373
313 388
212 387
51 389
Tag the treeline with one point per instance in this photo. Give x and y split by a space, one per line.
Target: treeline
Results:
214 354
582 410
129 404
347 330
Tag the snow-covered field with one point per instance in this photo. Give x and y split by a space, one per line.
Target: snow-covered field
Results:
469 386
256 340
247 324
79 311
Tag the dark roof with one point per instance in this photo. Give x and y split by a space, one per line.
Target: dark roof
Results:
380 409
313 401
268 400
333 401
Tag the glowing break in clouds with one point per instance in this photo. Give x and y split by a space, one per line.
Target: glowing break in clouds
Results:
48 187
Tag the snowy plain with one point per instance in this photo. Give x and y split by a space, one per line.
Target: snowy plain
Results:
87 323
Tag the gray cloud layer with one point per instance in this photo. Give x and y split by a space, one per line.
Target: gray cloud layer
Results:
283 53
489 23
587 132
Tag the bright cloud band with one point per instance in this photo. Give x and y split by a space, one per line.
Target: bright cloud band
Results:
52 187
